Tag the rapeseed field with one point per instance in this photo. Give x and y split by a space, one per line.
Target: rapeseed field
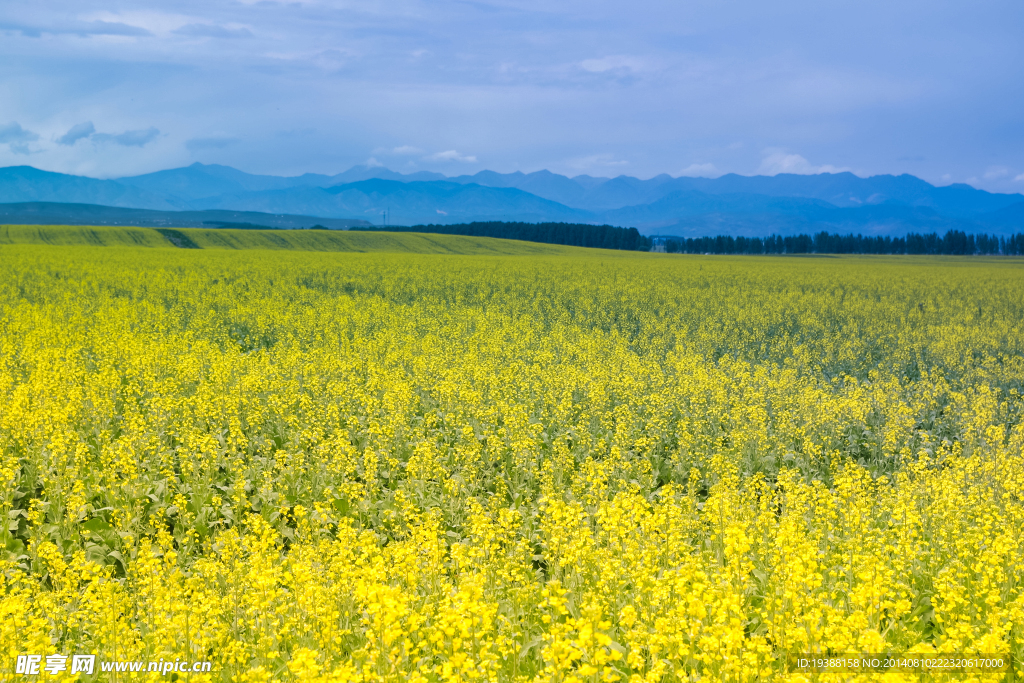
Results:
572 468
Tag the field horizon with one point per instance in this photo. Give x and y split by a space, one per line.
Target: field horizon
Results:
288 240
378 241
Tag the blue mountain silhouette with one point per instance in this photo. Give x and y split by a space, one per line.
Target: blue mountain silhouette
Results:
730 204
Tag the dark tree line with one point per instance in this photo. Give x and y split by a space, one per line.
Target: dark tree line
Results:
953 242
569 234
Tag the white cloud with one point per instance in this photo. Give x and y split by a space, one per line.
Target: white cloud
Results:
452 155
996 172
406 150
76 133
217 142
1020 178
332 60
613 63
597 162
149 22
373 163
212 31
77 28
328 60
777 161
700 171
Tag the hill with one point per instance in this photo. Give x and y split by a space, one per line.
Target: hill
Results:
290 240
87 235
57 213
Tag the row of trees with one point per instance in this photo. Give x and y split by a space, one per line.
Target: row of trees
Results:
570 234
953 242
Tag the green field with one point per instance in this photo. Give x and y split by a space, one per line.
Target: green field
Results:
290 240
93 235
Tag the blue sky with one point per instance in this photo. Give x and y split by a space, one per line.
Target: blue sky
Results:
604 88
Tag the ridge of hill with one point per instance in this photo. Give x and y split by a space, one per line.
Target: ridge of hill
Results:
362 195
58 213
277 240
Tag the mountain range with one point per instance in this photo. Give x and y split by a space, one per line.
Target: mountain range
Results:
663 205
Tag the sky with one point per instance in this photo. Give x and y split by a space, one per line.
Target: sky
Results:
702 88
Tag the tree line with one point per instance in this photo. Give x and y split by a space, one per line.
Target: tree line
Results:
569 234
953 242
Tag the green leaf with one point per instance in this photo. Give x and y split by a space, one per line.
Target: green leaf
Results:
96 524
96 553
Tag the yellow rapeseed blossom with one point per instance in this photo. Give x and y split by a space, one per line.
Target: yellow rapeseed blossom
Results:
602 467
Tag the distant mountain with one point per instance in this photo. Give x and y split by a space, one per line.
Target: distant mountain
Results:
449 202
28 184
731 204
202 181
1011 216
199 181
839 189
849 190
877 220
546 184
357 173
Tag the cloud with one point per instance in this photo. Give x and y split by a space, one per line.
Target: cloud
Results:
404 150
373 163
17 138
996 172
695 77
452 155
217 142
331 60
76 133
13 133
129 138
613 63
597 162
777 161
78 28
212 31
295 132
1020 178
700 171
